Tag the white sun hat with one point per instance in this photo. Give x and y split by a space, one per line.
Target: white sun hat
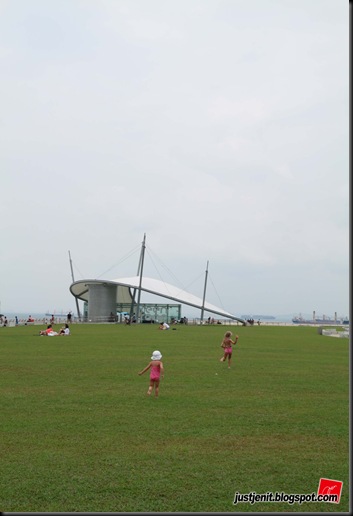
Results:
156 355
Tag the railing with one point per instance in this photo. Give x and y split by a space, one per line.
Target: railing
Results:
43 320
195 321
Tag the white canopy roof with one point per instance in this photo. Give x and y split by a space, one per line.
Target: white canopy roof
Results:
126 286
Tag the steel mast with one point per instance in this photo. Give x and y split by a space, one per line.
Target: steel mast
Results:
139 272
73 280
204 294
142 257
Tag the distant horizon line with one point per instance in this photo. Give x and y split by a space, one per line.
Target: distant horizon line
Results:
255 316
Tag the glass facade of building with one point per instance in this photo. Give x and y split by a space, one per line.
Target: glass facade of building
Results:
149 312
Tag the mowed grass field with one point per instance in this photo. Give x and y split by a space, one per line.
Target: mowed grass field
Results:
79 434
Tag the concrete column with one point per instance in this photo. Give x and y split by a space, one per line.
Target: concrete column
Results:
101 301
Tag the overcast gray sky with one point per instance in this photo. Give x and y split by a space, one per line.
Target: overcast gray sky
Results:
217 127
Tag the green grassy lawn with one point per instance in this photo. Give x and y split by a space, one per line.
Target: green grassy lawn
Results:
79 434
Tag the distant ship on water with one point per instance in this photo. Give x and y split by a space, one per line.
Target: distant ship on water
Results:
320 320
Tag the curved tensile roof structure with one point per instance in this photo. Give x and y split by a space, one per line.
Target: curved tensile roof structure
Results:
126 286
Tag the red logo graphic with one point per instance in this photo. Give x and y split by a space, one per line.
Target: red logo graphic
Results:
327 486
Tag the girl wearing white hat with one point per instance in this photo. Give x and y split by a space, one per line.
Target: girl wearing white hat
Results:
157 370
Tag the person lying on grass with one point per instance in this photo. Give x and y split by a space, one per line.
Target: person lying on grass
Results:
49 331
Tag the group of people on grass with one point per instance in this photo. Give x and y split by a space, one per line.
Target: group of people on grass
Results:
156 364
157 368
50 332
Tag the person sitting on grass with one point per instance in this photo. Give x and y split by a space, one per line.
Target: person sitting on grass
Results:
164 326
65 330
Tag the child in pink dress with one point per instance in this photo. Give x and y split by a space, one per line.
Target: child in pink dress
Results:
227 343
157 371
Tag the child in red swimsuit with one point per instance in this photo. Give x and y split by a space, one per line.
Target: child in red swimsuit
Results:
227 343
157 371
